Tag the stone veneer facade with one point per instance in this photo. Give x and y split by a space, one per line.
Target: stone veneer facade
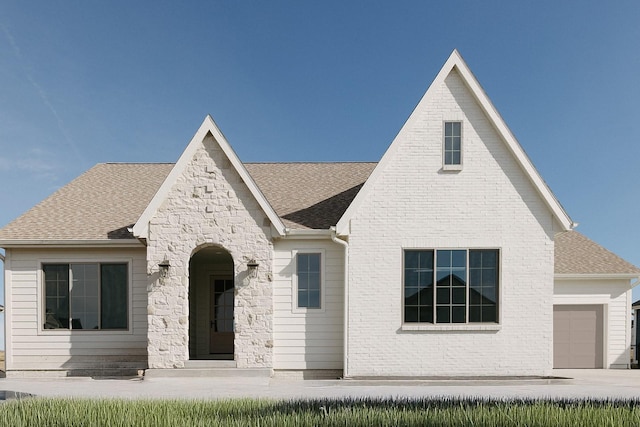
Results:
209 204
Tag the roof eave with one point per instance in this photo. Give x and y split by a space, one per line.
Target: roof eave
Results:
76 243
596 276
307 233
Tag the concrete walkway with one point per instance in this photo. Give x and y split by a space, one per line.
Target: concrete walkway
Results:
601 384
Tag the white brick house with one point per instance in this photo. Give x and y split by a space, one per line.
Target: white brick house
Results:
449 257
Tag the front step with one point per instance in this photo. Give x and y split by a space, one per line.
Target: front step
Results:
209 369
209 364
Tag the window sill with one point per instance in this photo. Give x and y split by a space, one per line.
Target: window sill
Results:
455 327
452 168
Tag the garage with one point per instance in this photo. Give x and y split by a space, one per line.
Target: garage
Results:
578 336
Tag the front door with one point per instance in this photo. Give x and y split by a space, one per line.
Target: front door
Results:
221 317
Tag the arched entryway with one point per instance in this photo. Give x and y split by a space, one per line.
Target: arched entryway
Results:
211 304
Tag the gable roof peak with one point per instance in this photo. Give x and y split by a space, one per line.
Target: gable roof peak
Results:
455 60
208 127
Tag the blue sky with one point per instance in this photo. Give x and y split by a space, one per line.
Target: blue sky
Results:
83 82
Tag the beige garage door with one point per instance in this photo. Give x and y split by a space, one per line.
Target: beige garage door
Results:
577 336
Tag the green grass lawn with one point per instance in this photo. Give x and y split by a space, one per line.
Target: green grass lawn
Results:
323 412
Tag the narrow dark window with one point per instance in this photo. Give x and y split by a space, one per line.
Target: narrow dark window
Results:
483 285
451 286
309 280
452 143
418 286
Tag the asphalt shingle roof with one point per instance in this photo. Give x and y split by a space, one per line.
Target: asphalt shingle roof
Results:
577 254
310 195
99 204
109 198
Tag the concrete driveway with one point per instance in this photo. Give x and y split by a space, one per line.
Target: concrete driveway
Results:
601 384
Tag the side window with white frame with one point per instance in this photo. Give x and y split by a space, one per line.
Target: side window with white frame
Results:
452 149
309 280
86 296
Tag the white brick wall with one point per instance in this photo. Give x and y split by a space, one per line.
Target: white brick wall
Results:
209 205
414 204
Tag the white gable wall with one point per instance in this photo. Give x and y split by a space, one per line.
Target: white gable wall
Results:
414 204
31 348
615 296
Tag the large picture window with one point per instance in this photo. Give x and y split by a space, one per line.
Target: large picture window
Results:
451 286
86 296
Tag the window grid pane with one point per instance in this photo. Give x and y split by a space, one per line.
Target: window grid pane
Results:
56 279
113 296
465 291
451 274
84 296
483 286
309 279
419 289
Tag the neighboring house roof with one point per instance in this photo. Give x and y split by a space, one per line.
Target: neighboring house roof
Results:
636 304
577 254
455 62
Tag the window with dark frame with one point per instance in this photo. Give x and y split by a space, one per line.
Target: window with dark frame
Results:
453 143
308 280
86 296
451 286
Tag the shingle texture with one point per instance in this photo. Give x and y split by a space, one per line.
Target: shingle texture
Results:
310 195
576 254
99 204
107 199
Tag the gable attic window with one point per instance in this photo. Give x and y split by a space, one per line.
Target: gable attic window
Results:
452 149
86 296
451 286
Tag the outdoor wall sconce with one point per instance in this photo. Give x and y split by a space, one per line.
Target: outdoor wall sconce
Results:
253 268
164 268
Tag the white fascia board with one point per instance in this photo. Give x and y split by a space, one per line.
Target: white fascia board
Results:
36 243
456 61
342 227
246 177
512 143
141 227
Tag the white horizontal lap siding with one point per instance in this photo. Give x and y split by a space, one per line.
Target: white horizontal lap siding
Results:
413 204
614 294
29 347
311 340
